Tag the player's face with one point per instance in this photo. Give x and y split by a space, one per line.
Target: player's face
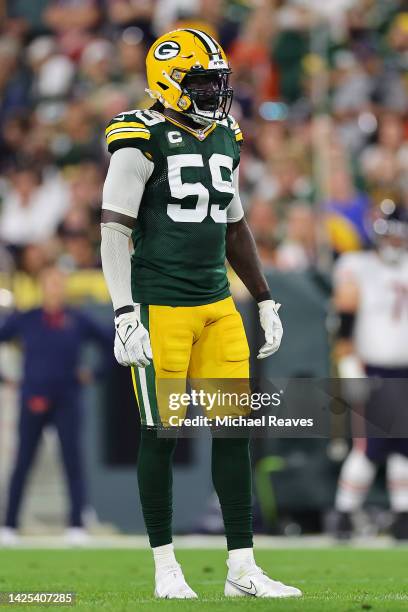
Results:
53 287
206 89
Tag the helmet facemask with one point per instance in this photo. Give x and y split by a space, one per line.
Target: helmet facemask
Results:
209 93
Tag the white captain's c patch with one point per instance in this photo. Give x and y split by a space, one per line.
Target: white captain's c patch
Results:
174 137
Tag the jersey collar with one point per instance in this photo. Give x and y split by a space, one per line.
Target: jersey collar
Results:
200 134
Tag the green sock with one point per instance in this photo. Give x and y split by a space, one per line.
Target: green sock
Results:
231 474
154 473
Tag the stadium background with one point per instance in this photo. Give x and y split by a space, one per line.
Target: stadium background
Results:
321 96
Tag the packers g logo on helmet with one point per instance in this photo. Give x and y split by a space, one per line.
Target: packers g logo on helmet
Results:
167 50
186 53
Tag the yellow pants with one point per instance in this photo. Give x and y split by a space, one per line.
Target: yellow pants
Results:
194 342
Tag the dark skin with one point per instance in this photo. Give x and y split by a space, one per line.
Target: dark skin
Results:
240 244
243 257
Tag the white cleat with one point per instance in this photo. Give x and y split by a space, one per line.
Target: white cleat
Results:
77 537
171 584
250 581
9 537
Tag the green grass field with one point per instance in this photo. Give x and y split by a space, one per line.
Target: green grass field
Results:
338 579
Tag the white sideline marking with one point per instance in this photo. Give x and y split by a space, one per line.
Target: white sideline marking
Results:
206 542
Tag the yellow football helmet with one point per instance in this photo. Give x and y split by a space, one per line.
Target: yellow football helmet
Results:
173 64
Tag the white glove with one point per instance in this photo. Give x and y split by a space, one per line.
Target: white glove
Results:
132 342
272 326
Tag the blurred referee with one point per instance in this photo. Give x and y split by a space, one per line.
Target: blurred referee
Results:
52 338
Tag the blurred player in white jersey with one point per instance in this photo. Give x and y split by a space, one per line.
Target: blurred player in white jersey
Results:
371 297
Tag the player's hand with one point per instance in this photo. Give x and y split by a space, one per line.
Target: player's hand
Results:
132 342
272 326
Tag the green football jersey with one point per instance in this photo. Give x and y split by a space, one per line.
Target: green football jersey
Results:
179 237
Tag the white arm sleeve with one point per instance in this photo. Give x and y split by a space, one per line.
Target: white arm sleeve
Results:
235 212
128 173
115 257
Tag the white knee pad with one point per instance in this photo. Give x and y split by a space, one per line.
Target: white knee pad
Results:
397 482
356 477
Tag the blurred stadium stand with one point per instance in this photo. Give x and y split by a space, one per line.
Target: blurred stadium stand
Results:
321 95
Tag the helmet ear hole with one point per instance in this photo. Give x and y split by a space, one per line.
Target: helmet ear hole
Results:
162 85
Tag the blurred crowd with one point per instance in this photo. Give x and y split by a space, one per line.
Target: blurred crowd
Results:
321 93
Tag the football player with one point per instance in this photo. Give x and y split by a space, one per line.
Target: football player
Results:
172 187
371 296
